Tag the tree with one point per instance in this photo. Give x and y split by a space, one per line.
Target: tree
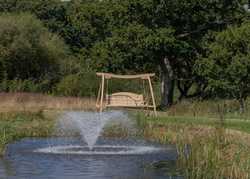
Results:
87 25
126 46
28 50
189 22
103 27
227 65
51 12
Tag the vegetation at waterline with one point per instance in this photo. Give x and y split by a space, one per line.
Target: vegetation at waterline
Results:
214 149
206 148
15 126
34 115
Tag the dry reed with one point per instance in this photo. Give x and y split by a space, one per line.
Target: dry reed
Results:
39 102
213 152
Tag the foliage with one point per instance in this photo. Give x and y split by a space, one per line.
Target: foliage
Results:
82 84
227 66
26 85
148 32
86 24
51 12
126 36
133 44
87 84
28 51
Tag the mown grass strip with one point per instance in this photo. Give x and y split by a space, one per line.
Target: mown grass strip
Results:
236 124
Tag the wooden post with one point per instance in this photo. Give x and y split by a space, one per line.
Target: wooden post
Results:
102 93
98 97
152 95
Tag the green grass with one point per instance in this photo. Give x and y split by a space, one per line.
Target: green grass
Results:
211 108
236 124
14 126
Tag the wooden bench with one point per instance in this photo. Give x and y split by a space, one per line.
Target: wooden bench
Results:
125 99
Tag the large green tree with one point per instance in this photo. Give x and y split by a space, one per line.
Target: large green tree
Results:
50 12
149 45
28 50
137 35
226 68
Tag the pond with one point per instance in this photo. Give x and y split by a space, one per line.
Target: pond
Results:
71 157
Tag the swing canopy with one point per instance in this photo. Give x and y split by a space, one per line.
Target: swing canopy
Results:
124 99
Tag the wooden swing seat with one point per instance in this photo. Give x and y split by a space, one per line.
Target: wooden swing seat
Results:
125 99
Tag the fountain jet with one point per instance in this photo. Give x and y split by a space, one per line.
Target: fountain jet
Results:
88 124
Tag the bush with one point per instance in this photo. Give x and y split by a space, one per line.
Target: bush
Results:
227 66
87 84
82 84
29 53
27 85
21 86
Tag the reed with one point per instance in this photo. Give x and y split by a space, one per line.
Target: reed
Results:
205 152
37 102
14 126
32 114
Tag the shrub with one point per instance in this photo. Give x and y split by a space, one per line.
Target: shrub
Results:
87 84
227 66
82 84
27 85
21 86
29 53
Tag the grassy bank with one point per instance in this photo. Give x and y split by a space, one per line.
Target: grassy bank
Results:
212 108
14 126
32 115
215 150
216 135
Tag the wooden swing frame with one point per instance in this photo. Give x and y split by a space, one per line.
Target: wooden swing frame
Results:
124 99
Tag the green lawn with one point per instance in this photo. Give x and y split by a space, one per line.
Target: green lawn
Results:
237 124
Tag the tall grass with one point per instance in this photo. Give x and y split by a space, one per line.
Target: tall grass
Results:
37 102
215 156
209 108
14 126
205 152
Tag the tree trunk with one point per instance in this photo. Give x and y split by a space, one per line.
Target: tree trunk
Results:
183 89
167 83
242 105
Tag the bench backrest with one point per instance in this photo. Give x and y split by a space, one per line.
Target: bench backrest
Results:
125 99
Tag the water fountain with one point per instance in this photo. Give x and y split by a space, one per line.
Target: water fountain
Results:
82 152
90 125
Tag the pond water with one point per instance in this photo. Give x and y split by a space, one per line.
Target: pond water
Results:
63 158
88 154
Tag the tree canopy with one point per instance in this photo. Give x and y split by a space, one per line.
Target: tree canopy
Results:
226 68
28 50
132 36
